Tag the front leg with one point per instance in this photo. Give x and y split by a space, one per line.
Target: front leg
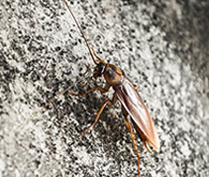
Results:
107 102
101 89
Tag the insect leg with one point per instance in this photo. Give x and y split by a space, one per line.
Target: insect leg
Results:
110 102
143 138
132 137
101 89
148 148
88 69
136 87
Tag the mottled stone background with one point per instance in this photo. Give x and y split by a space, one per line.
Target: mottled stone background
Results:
163 46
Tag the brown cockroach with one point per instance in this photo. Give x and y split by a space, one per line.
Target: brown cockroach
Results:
127 93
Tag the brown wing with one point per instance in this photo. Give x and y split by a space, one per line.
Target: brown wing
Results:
134 105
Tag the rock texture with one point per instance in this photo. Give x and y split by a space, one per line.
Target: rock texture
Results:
161 46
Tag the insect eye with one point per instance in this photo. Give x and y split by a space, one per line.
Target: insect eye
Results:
100 67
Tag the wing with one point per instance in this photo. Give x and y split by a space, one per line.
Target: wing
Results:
134 105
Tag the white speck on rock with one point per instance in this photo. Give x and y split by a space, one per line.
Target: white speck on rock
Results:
82 155
185 150
2 165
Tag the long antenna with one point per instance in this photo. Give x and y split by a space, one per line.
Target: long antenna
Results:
34 114
81 31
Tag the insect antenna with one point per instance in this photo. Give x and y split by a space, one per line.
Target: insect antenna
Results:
81 31
35 113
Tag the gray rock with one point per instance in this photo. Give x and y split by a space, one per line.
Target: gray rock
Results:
161 46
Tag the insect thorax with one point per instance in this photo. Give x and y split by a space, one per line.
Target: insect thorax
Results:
113 74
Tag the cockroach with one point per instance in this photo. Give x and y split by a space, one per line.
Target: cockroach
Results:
127 93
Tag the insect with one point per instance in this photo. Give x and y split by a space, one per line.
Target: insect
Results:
127 94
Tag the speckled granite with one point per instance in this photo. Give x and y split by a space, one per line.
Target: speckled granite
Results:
162 47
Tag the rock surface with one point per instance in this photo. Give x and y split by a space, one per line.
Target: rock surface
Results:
161 46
